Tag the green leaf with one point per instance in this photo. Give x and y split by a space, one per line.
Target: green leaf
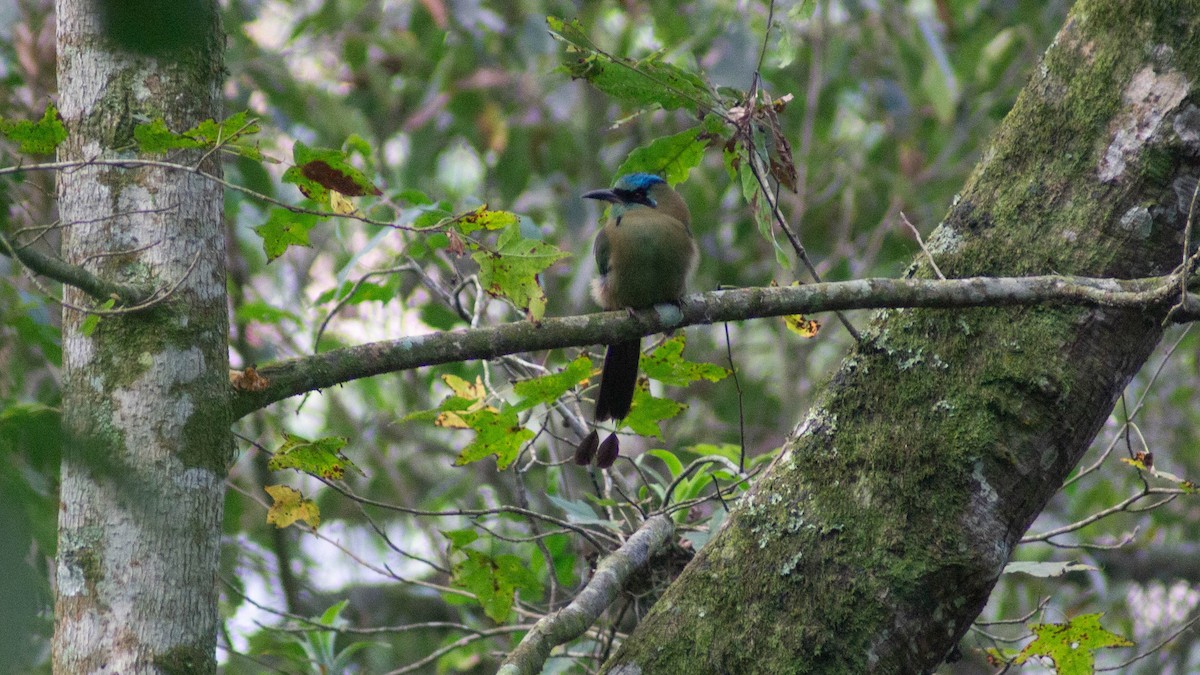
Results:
365 291
30 426
642 82
413 197
941 90
666 457
155 137
672 157
283 229
228 133
579 512
92 321
460 538
729 451
484 219
439 316
331 616
1071 645
318 170
493 581
699 538
264 313
563 558
511 271
550 388
760 208
667 365
431 217
497 433
321 457
36 138
45 337
1045 569
648 411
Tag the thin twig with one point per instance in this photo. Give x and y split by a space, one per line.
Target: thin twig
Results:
1121 666
737 385
921 242
1124 505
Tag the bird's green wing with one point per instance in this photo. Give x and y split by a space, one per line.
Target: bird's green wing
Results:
601 249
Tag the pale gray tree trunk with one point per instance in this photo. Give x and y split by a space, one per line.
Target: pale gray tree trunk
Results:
877 536
145 395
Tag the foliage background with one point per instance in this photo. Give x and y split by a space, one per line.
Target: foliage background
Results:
462 102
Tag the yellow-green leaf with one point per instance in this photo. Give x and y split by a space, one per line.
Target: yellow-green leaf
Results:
483 218
549 388
667 365
283 229
290 506
511 270
647 412
1071 645
493 581
322 457
497 432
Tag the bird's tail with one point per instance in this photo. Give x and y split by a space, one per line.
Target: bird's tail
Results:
618 380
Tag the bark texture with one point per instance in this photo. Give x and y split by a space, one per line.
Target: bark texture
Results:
145 395
879 533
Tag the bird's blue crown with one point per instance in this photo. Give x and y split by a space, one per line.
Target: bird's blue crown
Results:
638 181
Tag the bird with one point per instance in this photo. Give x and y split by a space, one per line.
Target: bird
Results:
644 254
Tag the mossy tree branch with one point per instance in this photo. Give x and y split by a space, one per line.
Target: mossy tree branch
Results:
300 375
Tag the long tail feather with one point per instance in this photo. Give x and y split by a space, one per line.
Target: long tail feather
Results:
617 380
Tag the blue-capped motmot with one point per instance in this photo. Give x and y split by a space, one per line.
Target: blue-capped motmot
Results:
644 254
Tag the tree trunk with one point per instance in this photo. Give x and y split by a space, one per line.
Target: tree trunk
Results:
879 533
146 394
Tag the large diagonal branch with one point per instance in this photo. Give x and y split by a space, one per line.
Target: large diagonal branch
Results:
301 375
573 620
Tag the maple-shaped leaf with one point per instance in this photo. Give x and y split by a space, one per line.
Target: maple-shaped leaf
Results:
511 270
36 138
468 397
497 432
283 229
1071 645
322 457
494 580
667 365
549 388
290 506
648 411
155 137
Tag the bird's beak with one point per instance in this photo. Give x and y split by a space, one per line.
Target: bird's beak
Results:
603 195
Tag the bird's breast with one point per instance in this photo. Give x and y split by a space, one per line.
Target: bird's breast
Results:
649 261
